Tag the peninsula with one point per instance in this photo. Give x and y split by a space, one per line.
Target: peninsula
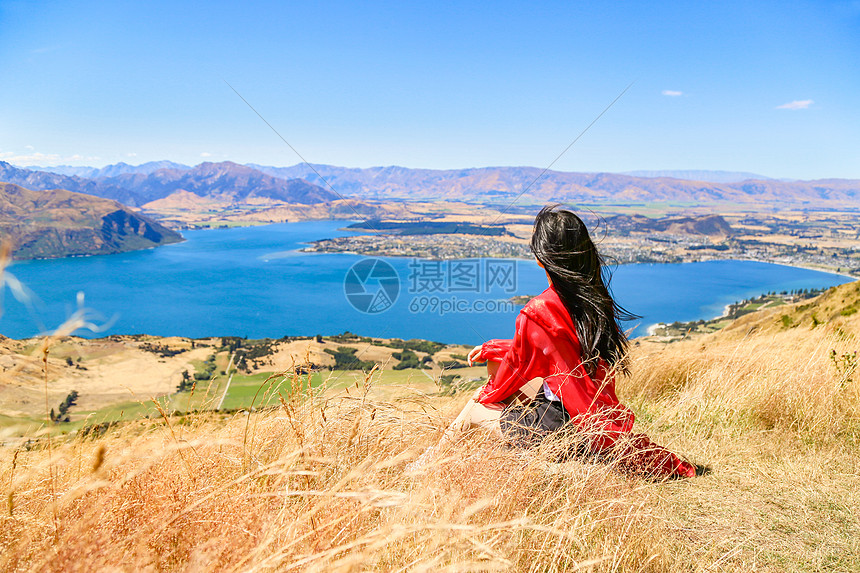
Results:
59 223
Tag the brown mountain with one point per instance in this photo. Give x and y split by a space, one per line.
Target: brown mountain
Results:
59 223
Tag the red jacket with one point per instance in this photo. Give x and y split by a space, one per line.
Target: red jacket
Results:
545 345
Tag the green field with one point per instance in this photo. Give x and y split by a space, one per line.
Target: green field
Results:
245 391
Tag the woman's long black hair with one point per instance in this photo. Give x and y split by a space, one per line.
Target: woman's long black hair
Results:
561 243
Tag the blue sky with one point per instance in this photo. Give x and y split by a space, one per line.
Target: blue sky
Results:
766 87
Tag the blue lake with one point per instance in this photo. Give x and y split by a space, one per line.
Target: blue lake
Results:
253 282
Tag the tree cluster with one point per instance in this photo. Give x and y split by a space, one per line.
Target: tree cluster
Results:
345 359
62 414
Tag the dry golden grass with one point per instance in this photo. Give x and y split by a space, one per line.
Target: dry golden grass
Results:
318 484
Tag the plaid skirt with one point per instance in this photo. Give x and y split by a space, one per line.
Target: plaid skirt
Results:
527 425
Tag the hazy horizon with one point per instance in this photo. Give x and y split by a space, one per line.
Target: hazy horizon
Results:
759 87
633 173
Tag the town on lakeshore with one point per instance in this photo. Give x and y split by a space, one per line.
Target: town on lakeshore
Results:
821 240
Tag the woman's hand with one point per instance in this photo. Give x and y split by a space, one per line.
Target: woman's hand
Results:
475 356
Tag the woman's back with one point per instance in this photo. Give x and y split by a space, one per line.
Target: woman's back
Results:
571 338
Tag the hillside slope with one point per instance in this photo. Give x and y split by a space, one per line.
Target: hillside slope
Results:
59 223
838 307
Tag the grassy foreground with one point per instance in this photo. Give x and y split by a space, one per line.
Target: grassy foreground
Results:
771 404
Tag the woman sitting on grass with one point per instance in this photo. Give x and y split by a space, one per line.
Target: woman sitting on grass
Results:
569 337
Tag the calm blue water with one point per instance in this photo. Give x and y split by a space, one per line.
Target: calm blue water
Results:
252 282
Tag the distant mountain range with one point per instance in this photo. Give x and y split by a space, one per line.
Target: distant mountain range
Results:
135 187
309 185
533 185
111 170
121 168
59 223
702 175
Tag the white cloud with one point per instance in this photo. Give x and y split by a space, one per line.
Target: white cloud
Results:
205 154
42 159
672 93
132 154
44 49
796 104
28 158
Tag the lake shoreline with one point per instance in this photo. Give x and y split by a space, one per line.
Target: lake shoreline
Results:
256 282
